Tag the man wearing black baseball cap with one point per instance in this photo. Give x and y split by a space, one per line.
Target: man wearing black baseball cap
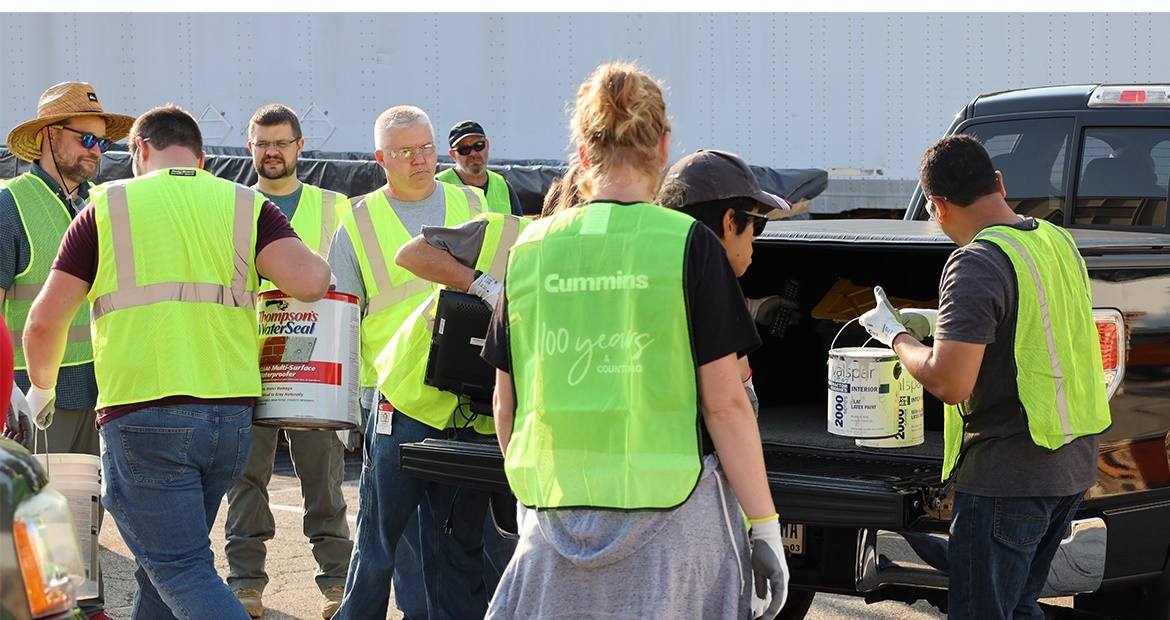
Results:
469 148
718 189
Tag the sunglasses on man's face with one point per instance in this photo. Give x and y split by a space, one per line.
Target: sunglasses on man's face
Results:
466 150
759 222
88 140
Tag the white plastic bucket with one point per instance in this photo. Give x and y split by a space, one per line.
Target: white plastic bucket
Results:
911 431
78 478
863 392
308 362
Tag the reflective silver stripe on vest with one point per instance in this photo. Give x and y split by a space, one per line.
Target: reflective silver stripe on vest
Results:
77 333
328 221
1046 319
24 292
473 203
1076 252
388 294
129 295
508 238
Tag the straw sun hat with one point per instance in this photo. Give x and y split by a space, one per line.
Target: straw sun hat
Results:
60 102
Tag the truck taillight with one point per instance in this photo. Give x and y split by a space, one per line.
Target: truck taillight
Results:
47 551
1111 335
1106 96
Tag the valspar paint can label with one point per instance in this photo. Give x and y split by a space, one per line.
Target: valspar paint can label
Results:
911 430
863 392
308 362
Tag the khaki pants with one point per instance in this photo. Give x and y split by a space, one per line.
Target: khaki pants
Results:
318 460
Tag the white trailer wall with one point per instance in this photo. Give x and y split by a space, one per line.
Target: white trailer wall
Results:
861 95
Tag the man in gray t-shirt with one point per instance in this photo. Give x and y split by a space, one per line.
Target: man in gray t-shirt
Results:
1013 496
362 252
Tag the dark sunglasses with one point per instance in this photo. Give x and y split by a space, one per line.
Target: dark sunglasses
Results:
88 139
477 147
759 221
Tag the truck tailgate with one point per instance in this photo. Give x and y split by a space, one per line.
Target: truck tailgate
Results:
816 478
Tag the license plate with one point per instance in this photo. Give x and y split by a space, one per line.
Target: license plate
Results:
793 536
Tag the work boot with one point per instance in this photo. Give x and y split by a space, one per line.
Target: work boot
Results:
332 601
250 598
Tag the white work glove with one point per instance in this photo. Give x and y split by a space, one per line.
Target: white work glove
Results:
769 567
486 288
883 322
763 310
332 282
42 403
919 322
17 425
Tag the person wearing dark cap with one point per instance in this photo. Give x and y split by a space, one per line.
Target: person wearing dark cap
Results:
64 144
469 148
718 189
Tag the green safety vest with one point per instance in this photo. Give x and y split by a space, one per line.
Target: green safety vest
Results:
45 219
174 298
313 222
391 291
402 364
1059 372
498 198
607 407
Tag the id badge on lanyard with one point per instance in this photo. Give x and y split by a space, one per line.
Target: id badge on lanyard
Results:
384 424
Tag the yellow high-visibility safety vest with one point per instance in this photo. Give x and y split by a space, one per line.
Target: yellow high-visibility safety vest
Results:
401 366
391 291
45 219
1059 375
174 298
498 198
315 220
607 403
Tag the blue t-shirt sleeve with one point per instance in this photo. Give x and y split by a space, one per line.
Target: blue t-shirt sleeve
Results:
11 232
517 208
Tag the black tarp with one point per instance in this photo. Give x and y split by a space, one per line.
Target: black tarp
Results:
354 174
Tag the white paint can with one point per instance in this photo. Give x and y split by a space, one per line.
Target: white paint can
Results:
863 392
79 478
911 430
308 362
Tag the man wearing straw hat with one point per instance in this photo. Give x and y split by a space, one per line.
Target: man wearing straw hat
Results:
64 144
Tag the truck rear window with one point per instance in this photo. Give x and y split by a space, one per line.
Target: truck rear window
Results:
1123 177
1031 155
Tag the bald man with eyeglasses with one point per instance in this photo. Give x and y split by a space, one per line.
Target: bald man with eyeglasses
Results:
469 149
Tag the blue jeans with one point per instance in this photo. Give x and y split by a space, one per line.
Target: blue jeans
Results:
1000 551
166 470
388 499
409 589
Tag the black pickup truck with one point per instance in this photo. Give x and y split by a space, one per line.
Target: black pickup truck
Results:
872 522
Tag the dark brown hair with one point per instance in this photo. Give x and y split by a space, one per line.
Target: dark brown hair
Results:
167 126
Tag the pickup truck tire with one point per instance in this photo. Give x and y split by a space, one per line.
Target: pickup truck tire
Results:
797 605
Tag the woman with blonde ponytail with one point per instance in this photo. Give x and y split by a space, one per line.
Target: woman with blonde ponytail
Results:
627 436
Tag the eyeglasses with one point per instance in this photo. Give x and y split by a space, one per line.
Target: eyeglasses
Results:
477 147
280 145
425 150
931 209
88 140
759 222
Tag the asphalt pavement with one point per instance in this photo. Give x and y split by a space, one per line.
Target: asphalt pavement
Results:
292 594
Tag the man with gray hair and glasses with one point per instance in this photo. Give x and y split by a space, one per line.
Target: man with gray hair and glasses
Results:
362 257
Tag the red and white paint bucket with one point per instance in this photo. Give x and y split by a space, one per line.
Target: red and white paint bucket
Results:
308 362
